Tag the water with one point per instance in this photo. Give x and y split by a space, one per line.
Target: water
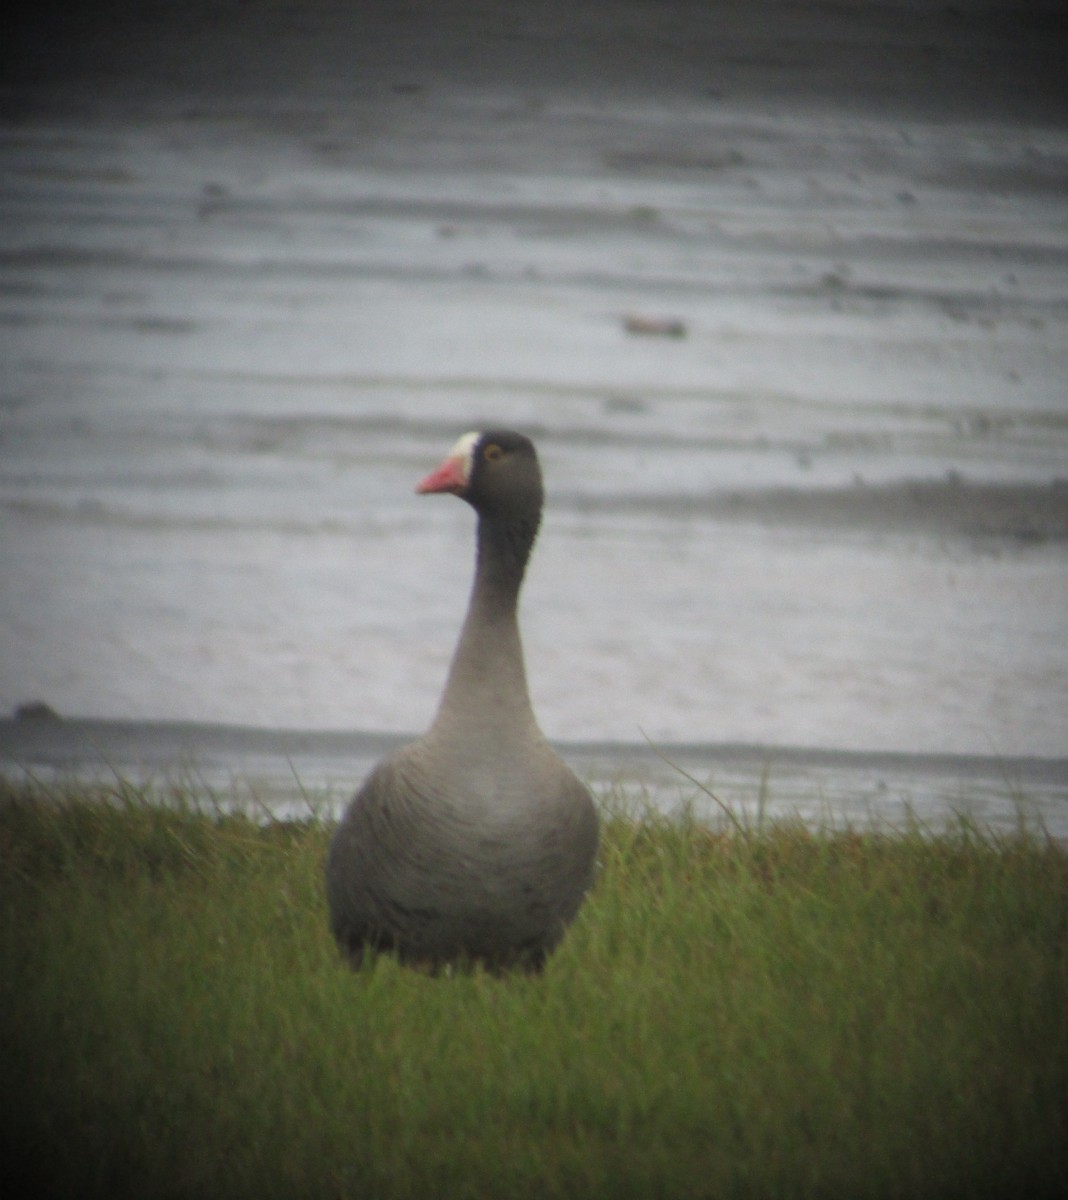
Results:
237 326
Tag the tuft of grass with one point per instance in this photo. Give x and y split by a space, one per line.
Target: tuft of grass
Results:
759 1011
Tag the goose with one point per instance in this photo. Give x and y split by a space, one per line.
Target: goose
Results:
476 843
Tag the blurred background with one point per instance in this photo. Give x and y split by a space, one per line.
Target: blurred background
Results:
780 290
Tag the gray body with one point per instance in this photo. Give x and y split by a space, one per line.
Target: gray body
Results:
476 842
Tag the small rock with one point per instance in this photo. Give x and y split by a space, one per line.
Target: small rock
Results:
36 710
655 326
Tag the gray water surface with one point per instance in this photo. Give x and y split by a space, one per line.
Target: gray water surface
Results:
250 294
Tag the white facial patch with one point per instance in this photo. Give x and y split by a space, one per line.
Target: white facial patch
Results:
464 450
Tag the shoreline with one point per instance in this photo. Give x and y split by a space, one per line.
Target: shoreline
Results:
290 771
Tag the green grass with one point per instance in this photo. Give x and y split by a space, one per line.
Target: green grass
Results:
760 1013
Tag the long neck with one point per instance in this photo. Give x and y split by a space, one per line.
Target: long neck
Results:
487 687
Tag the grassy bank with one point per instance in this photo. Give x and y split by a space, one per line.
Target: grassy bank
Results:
764 1013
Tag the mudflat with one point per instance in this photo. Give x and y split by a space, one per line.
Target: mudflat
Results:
779 291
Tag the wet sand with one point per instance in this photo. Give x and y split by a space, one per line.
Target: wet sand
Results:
782 293
984 513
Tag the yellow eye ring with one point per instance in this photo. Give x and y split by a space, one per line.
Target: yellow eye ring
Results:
492 452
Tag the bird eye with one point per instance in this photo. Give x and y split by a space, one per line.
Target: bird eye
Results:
492 452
